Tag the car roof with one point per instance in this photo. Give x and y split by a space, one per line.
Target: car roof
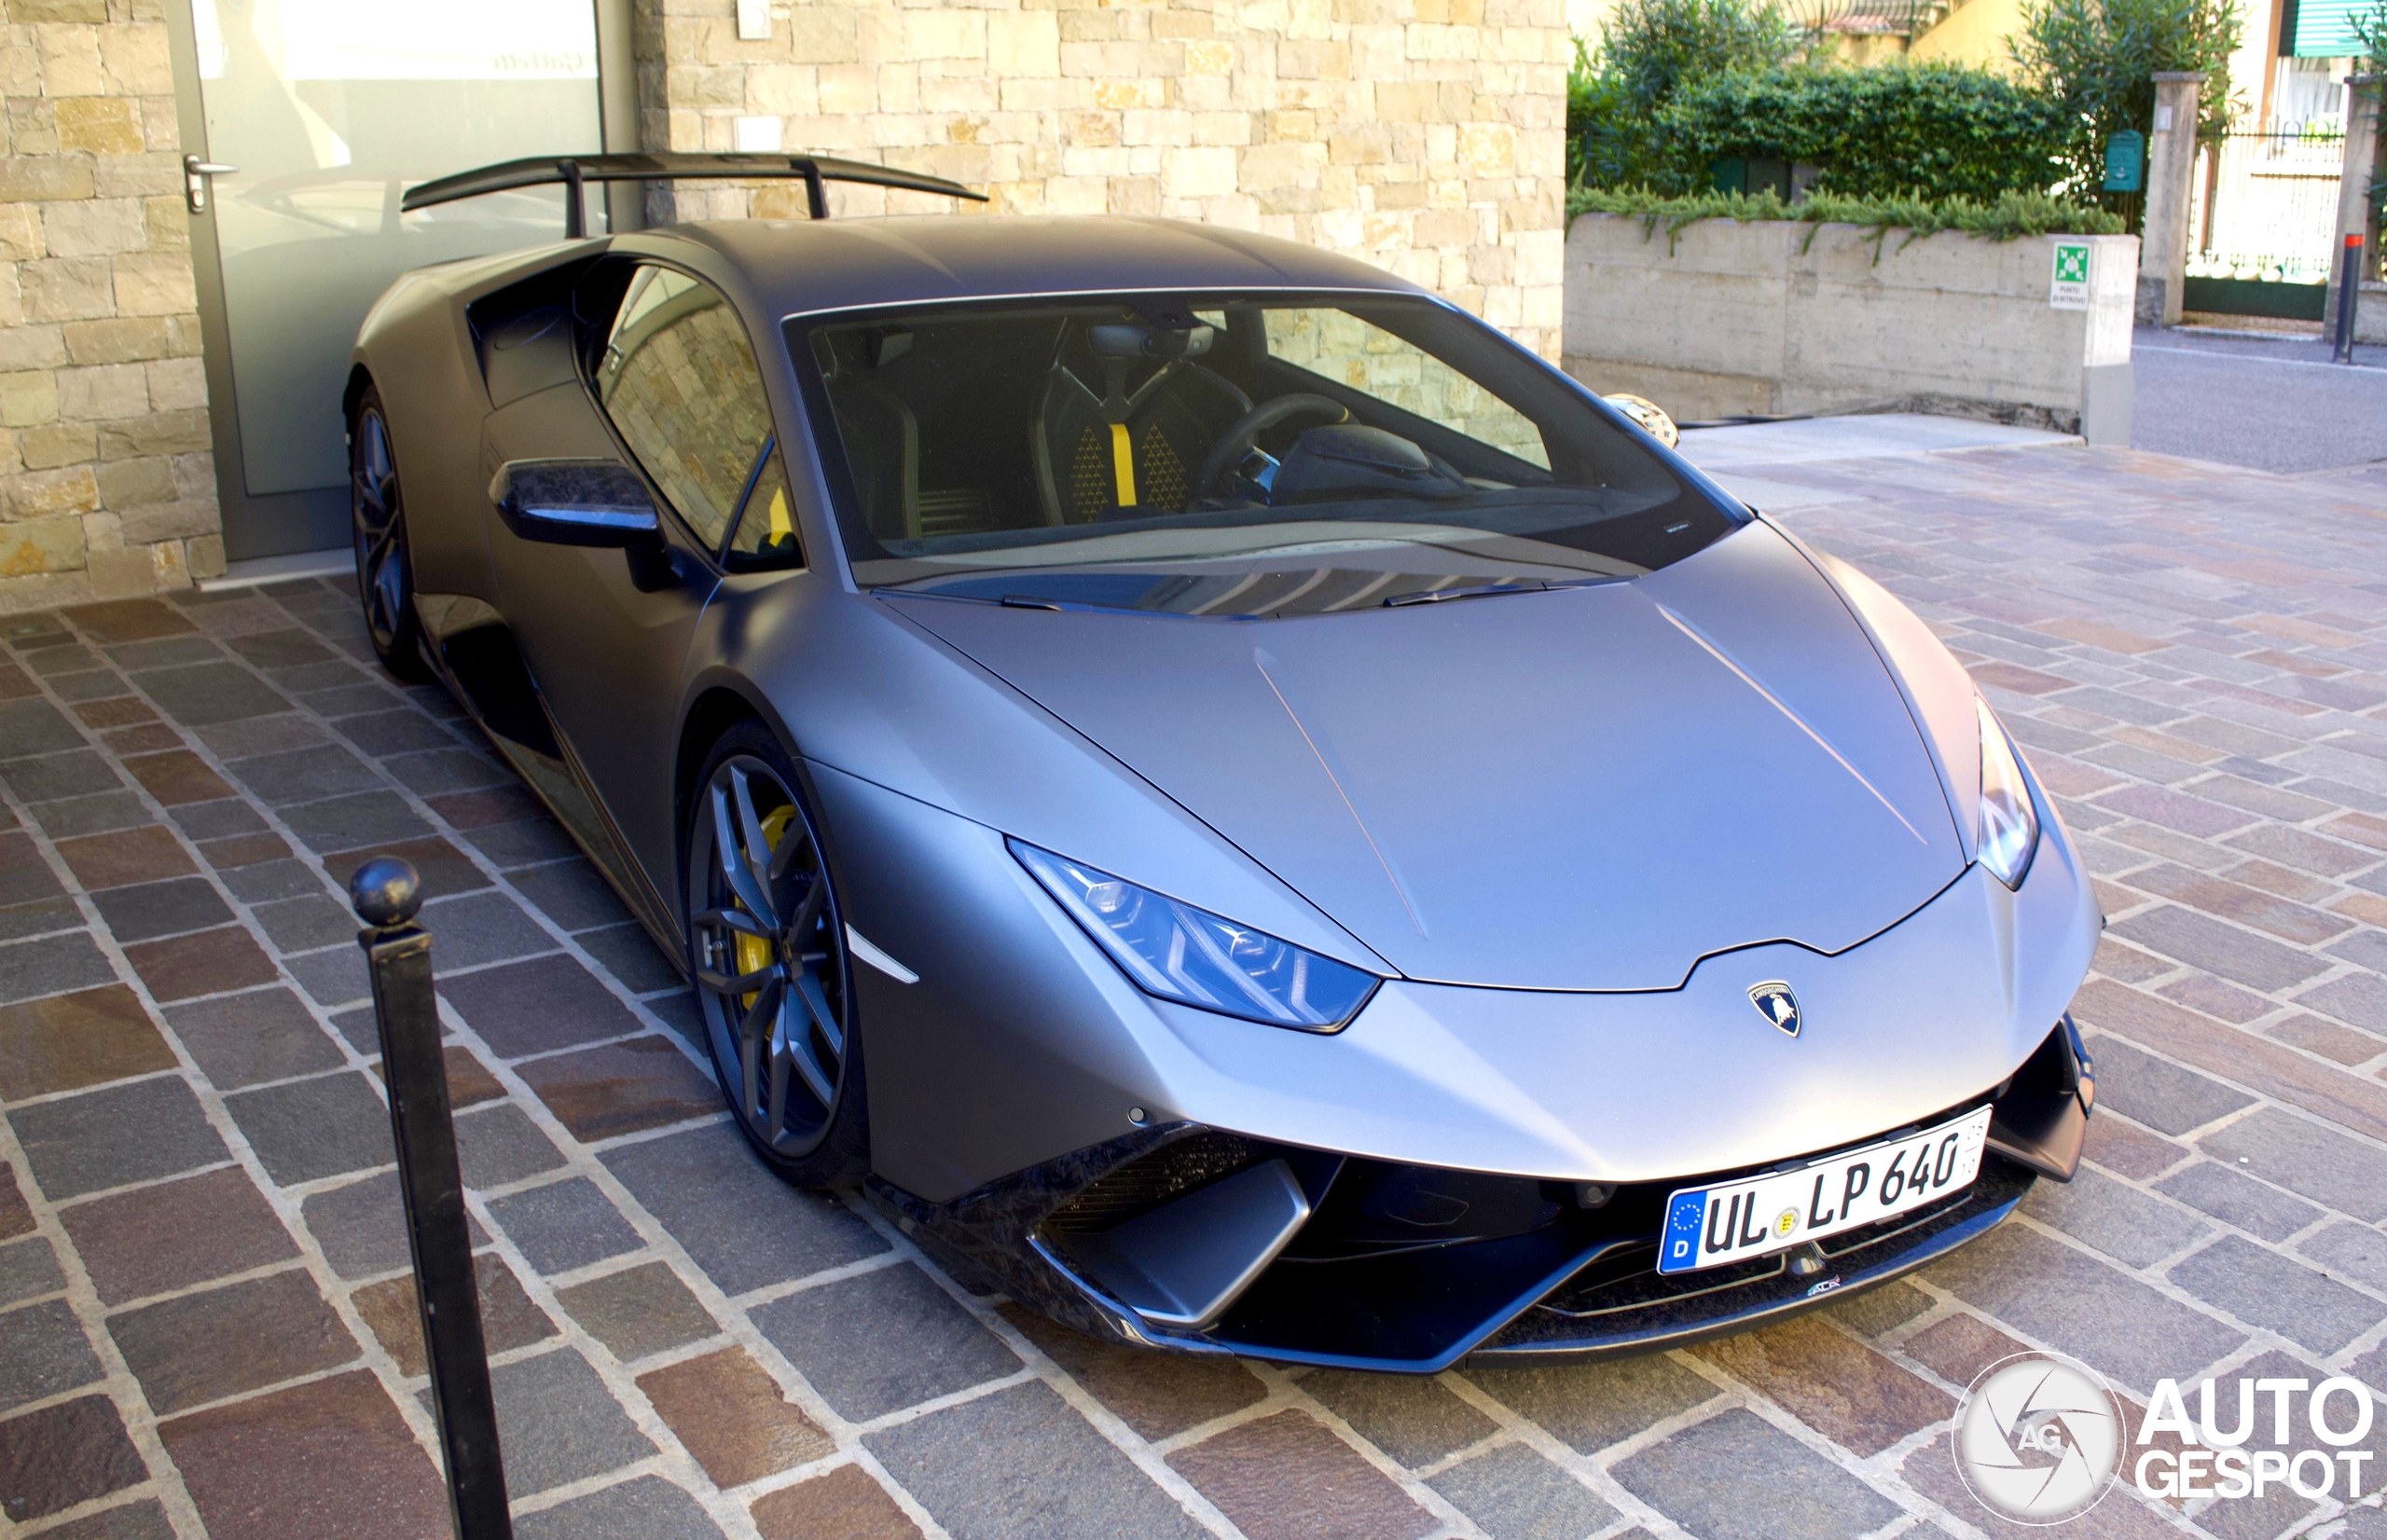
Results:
797 266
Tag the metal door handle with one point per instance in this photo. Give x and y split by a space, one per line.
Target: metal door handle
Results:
195 174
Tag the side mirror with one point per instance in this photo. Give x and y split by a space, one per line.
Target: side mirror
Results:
574 502
1647 416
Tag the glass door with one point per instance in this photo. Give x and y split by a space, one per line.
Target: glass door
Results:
305 121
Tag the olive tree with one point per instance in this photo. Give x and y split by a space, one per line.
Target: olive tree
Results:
2098 60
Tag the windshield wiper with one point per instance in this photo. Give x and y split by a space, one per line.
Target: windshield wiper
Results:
1066 606
1486 590
1083 607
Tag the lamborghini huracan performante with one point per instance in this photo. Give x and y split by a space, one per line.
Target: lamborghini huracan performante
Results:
1240 806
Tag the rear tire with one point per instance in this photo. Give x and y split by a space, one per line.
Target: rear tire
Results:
377 521
766 946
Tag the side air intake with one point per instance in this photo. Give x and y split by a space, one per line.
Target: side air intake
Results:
1180 1266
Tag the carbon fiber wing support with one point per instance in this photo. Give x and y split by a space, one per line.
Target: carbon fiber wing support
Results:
572 172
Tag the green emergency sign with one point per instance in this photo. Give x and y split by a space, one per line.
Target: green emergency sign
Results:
2068 285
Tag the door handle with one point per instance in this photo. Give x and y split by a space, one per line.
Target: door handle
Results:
195 174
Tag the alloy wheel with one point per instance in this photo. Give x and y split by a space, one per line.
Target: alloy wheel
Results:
382 576
768 949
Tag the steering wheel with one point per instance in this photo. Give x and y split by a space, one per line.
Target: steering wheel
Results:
1236 442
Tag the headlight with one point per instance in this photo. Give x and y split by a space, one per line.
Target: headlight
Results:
1188 955
2010 825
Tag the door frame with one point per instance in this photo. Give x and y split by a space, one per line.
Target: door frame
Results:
276 524
618 110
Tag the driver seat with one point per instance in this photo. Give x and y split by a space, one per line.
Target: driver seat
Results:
1131 460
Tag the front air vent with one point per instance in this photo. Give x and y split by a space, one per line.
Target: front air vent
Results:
1150 1180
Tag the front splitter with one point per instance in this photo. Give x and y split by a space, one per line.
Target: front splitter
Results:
1648 1313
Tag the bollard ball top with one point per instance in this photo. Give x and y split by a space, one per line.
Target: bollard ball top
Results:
386 891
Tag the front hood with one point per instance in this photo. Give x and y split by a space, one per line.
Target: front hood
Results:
1585 789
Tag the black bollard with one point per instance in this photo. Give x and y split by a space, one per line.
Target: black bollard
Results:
2349 290
386 893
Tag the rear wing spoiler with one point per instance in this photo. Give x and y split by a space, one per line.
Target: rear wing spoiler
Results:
815 171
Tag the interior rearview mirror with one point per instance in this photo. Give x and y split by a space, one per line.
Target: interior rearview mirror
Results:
1130 340
574 502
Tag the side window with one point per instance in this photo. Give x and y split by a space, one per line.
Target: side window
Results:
678 380
765 534
1351 351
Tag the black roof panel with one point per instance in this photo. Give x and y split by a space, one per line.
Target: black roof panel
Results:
799 265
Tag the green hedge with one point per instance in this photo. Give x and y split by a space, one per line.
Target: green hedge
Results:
1936 130
2006 217
1648 49
1609 143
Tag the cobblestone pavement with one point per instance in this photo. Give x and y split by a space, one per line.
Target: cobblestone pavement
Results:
206 1326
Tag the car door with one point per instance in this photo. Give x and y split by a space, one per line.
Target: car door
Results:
605 633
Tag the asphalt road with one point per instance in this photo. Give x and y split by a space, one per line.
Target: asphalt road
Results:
2271 404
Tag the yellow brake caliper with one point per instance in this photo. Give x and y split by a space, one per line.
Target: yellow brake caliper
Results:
755 952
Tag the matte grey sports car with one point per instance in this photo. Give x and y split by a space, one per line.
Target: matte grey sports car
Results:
1246 809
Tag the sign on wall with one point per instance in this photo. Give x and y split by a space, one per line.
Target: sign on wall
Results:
2068 290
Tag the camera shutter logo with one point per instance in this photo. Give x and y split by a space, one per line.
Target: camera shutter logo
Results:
2038 1439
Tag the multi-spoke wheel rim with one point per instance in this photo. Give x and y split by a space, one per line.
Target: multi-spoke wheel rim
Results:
380 532
768 949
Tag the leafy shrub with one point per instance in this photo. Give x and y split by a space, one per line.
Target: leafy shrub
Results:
1653 46
1608 144
1940 130
2009 217
1648 49
2096 60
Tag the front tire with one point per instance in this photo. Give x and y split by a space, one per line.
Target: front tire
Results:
766 946
384 566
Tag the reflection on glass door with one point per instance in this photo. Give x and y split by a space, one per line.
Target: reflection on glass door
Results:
318 116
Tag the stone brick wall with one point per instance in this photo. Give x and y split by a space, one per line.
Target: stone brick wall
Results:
107 487
1425 136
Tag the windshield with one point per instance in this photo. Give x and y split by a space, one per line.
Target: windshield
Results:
1226 455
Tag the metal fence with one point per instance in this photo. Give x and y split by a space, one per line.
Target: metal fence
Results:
2266 207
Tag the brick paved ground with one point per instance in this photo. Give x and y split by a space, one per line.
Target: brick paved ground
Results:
206 1327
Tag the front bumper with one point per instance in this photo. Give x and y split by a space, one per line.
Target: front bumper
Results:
1409 1269
1021 1042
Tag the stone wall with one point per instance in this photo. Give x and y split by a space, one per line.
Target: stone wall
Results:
1723 319
107 487
1425 136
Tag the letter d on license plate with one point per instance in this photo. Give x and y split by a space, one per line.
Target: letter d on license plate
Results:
1710 1226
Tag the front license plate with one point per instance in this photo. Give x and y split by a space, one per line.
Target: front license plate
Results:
1710 1226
